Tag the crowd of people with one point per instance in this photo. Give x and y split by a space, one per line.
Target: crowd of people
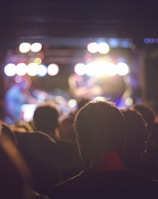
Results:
97 151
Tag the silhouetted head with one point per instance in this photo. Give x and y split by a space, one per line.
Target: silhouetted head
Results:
147 113
45 118
15 178
135 127
82 102
5 129
99 127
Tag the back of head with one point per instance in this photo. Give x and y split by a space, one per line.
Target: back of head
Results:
100 128
152 149
40 154
45 118
147 113
5 129
15 177
135 127
82 102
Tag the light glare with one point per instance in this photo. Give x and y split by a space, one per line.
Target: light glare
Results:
42 70
21 69
32 69
103 48
36 47
53 69
10 69
122 69
79 69
92 47
24 47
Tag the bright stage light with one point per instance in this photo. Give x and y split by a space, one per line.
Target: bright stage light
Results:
53 69
24 47
21 69
38 60
79 69
36 47
10 69
92 47
103 48
122 69
100 69
72 103
111 69
32 69
42 70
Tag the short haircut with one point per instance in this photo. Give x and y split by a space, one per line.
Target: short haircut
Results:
135 127
45 117
99 126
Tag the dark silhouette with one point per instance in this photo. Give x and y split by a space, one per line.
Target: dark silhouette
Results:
100 133
46 119
6 129
135 128
16 96
40 153
138 154
15 178
152 147
148 114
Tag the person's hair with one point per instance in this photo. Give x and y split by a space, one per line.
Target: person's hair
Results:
45 117
82 102
99 127
153 135
135 127
147 113
15 177
6 129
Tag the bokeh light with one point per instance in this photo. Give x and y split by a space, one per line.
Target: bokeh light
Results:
79 69
36 47
42 70
103 48
122 69
32 69
53 69
10 69
92 47
21 69
24 47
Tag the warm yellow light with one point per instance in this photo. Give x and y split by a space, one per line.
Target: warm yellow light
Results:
32 69
79 69
24 47
21 69
53 69
36 47
92 47
38 60
103 48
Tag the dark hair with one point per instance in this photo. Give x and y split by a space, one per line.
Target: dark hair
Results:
5 129
82 102
99 126
135 127
45 117
15 180
147 113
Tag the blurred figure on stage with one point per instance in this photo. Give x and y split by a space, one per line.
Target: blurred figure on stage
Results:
110 87
16 96
82 86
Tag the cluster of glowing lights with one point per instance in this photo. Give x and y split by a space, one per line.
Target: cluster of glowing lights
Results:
101 69
31 69
25 47
102 47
